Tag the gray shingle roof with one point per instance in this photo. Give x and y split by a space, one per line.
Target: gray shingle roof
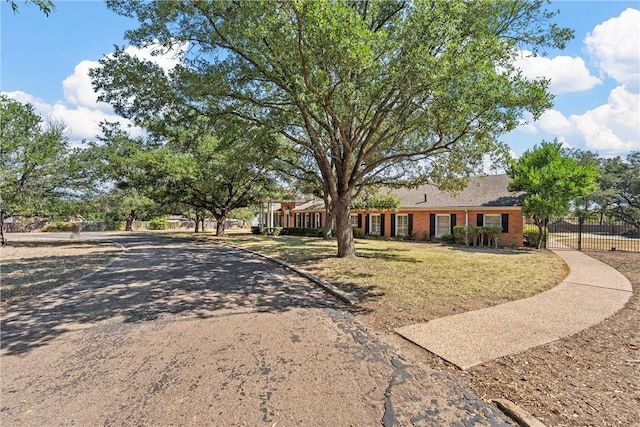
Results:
313 205
487 191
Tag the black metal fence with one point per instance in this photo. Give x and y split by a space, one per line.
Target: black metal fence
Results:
580 234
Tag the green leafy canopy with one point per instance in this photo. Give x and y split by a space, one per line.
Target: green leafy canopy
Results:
551 179
372 91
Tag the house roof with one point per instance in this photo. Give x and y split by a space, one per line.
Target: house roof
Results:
486 191
312 205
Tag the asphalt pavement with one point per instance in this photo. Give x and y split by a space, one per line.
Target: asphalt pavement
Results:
177 332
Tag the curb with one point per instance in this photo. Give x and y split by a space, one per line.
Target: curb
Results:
521 416
338 293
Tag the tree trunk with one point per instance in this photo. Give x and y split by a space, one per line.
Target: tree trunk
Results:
220 225
197 229
3 241
344 232
326 230
129 223
542 225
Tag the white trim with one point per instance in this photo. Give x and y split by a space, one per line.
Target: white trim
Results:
442 216
484 220
398 233
371 229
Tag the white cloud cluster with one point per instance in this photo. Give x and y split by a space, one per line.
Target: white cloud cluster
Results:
566 74
612 128
615 46
80 109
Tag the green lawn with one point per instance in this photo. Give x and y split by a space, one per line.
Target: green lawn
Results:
408 281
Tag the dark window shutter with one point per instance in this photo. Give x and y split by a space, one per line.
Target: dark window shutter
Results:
505 223
480 220
359 220
320 221
453 222
432 225
366 224
393 225
410 230
382 224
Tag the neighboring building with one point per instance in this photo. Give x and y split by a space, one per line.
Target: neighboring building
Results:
426 212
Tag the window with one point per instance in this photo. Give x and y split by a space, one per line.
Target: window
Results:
492 220
307 220
354 220
402 225
317 220
374 225
443 225
298 221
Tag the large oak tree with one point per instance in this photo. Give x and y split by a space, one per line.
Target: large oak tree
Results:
371 91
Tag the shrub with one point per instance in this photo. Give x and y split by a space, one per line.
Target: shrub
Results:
358 234
255 230
531 233
299 231
464 234
477 236
492 234
273 231
448 238
112 223
57 226
158 223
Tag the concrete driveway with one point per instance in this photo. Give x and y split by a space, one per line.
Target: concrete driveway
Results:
177 333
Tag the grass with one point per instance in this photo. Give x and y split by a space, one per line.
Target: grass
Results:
406 282
31 268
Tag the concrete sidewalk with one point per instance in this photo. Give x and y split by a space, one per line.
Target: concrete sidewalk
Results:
591 292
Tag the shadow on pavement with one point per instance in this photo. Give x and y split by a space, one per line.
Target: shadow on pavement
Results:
157 277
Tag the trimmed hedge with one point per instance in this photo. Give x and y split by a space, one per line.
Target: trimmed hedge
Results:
299 231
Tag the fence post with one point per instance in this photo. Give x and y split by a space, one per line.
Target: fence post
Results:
580 223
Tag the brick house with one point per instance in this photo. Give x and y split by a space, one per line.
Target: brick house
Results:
426 212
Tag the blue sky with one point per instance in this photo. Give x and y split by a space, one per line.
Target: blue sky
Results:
596 79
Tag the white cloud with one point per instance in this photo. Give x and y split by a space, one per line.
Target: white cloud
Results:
554 122
527 124
611 128
566 73
614 126
80 109
78 89
166 59
615 46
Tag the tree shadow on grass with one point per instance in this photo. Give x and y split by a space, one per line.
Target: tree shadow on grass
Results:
26 278
159 277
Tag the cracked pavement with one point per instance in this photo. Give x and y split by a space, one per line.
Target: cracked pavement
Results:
177 333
